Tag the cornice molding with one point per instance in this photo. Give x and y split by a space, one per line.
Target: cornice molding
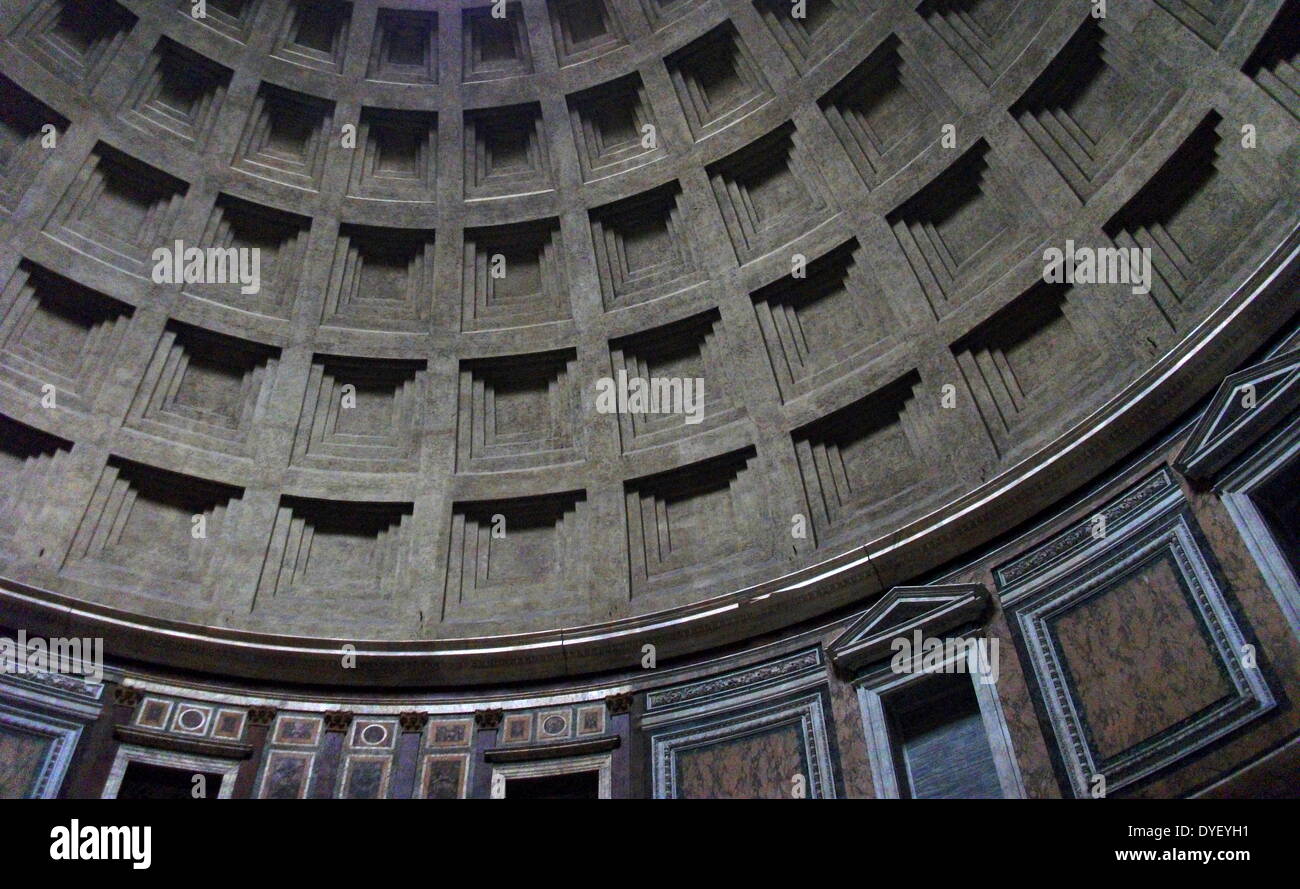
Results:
166 741
552 751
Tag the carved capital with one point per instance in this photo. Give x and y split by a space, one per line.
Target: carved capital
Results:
338 720
413 721
619 704
126 696
262 716
489 719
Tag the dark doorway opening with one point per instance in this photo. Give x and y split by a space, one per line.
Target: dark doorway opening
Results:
573 785
146 781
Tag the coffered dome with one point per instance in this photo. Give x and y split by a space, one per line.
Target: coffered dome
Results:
449 238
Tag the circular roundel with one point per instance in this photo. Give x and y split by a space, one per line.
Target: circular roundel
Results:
513 337
191 720
374 734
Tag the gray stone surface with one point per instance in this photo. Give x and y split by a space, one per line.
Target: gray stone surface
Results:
476 396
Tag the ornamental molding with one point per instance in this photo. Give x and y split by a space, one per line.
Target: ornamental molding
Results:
1133 505
145 737
1168 535
933 610
793 666
804 714
1246 405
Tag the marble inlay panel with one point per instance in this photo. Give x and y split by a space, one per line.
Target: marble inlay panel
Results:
443 776
1138 655
22 754
1138 660
775 748
287 775
763 766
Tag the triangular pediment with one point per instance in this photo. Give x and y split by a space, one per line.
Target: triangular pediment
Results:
902 610
1247 404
